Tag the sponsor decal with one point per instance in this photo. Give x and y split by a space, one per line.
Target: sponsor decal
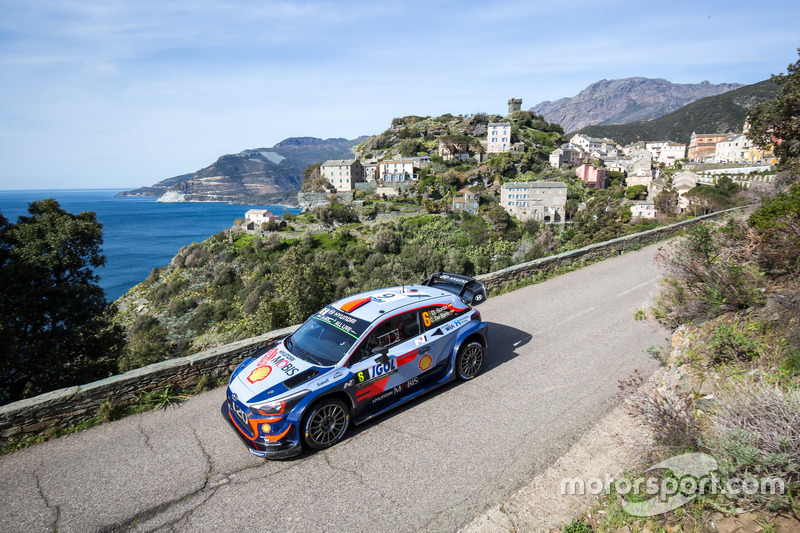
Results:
425 362
340 320
420 340
368 375
323 382
372 381
383 396
349 383
381 298
280 360
396 390
259 373
438 315
407 385
267 356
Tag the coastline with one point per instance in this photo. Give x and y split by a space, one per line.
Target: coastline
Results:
283 199
138 233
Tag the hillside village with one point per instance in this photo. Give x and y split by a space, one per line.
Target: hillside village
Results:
469 194
474 155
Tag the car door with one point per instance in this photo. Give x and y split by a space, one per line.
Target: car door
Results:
378 382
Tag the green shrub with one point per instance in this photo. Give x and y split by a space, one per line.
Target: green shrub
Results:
791 365
710 271
109 410
577 526
777 223
728 343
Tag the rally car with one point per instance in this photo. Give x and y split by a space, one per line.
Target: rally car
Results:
355 359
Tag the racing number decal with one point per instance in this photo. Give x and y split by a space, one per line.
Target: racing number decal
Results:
426 318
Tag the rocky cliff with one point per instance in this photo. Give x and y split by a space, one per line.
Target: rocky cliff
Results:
625 100
255 176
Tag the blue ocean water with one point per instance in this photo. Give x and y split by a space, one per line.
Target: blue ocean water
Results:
138 233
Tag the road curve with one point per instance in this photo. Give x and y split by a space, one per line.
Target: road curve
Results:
558 350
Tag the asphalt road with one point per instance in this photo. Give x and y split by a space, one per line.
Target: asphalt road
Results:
557 352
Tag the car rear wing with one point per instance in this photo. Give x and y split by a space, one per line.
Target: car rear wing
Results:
469 290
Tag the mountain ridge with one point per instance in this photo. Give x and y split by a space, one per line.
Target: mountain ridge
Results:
722 113
253 175
620 101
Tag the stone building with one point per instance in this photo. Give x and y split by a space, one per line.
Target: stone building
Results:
666 152
702 146
544 201
399 170
498 137
466 200
258 216
343 173
594 177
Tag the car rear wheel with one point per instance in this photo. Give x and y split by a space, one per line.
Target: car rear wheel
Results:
469 360
325 424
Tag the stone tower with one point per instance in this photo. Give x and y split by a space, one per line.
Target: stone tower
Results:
514 104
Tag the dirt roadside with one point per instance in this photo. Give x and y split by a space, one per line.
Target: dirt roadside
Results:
617 442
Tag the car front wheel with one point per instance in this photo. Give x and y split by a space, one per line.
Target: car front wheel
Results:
325 424
469 360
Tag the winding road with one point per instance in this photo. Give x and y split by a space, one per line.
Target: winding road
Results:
557 352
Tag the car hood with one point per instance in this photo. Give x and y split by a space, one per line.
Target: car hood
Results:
269 372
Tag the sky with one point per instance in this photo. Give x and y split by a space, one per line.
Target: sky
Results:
125 93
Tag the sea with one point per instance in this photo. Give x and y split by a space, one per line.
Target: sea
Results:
139 234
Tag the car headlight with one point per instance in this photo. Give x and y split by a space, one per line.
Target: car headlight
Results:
278 407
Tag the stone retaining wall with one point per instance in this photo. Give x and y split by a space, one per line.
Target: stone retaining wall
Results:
63 407
59 409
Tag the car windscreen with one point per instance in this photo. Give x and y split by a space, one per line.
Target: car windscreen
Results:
327 336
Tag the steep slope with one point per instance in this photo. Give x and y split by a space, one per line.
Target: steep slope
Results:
251 175
625 100
714 114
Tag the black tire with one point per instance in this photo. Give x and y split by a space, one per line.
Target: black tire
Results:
469 360
325 424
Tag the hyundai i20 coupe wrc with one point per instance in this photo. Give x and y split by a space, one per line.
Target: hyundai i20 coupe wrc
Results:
355 359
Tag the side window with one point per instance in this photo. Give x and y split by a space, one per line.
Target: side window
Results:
433 317
391 331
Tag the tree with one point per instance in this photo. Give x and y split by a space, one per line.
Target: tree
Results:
410 147
603 218
777 122
636 192
54 319
302 287
314 181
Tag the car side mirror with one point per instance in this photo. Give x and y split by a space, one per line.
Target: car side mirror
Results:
381 352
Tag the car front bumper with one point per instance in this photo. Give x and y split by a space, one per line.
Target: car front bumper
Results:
268 450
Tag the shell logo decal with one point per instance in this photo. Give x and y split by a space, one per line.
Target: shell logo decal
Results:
425 362
259 373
